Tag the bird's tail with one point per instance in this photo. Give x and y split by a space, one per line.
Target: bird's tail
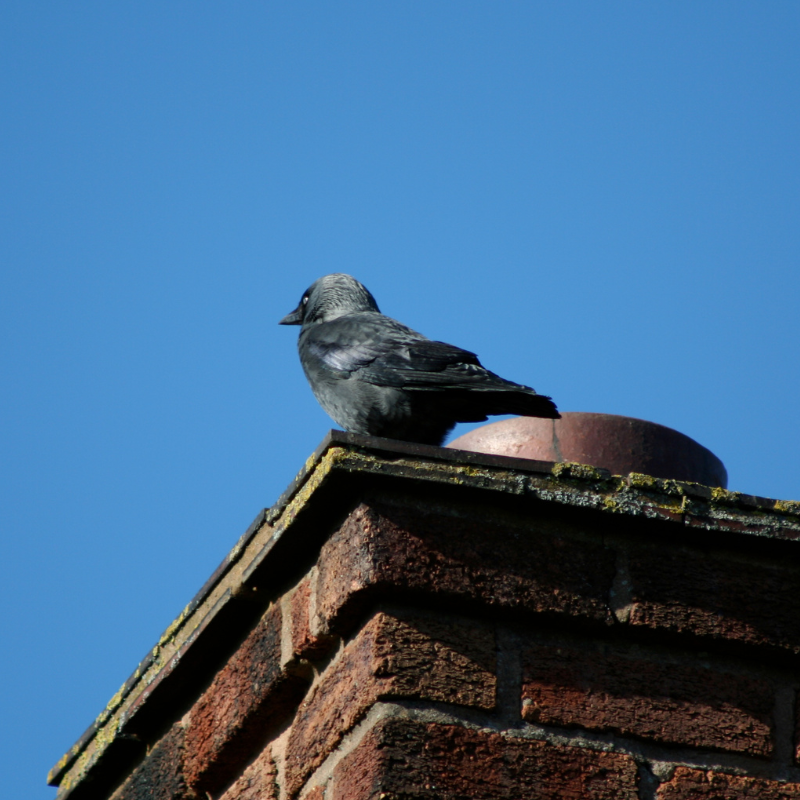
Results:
476 405
518 400
525 404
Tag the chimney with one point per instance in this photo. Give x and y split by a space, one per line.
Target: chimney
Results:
419 622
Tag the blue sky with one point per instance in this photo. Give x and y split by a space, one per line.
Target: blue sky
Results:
601 200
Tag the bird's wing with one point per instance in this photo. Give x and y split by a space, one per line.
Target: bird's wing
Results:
381 351
422 365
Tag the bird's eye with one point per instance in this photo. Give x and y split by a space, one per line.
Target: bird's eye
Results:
304 301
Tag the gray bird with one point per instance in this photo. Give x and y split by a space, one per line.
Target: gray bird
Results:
375 376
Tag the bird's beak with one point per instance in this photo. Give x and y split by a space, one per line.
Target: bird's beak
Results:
295 318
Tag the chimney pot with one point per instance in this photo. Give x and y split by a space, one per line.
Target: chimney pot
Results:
618 444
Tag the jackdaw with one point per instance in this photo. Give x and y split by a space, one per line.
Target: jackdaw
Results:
375 376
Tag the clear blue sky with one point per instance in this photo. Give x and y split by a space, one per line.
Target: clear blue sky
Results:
600 199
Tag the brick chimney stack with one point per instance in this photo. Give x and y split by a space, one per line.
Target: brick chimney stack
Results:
417 622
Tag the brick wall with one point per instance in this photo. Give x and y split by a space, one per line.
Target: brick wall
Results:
426 640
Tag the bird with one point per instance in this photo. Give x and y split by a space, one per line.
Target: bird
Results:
375 376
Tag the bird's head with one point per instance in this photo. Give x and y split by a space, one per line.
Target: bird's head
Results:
330 297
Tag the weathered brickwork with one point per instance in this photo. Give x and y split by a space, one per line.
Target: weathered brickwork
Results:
694 784
603 688
258 782
715 595
306 643
161 773
401 758
389 551
250 693
415 658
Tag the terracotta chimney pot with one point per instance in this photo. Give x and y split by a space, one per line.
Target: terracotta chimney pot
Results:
618 444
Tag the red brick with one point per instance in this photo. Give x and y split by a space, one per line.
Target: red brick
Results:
695 784
715 595
258 782
250 693
390 658
382 550
684 704
403 758
161 773
305 644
